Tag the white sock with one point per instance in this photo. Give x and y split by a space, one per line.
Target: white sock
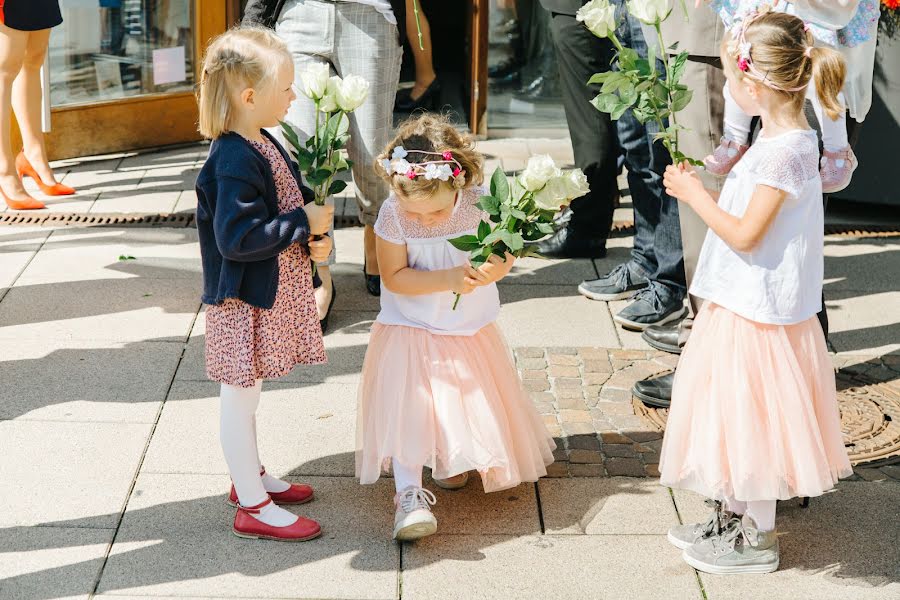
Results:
274 515
735 506
272 484
405 477
736 124
834 131
763 514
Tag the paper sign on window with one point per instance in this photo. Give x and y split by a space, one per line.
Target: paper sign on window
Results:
168 65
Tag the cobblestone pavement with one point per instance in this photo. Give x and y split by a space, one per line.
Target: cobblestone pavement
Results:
584 396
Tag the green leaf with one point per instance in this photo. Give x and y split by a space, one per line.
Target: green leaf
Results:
545 228
678 67
599 77
304 160
628 93
513 240
518 214
124 257
466 243
628 59
499 185
605 102
484 230
643 67
682 98
337 187
617 113
489 204
643 86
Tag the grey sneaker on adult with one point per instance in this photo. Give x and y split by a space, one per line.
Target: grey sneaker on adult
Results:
618 284
685 536
741 548
648 309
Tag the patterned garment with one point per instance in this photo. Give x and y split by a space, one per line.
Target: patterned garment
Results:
245 343
860 28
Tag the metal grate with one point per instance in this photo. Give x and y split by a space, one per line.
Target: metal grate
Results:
35 219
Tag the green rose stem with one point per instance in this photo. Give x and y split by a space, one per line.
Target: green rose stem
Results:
419 25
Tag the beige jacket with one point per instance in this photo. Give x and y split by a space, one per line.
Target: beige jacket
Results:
701 34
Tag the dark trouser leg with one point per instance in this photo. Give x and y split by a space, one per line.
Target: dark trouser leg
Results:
657 245
580 54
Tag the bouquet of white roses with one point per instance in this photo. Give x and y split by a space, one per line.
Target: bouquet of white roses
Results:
638 85
321 157
521 212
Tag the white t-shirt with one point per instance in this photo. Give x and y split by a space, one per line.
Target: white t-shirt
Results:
780 281
427 249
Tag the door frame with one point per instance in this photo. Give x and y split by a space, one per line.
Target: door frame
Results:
477 76
143 121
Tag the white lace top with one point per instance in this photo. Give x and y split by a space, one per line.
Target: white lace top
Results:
427 249
780 281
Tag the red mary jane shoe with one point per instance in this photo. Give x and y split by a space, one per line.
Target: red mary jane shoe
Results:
298 493
248 526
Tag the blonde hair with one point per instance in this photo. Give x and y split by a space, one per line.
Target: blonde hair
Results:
784 58
432 133
240 57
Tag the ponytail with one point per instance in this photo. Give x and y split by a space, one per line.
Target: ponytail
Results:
829 72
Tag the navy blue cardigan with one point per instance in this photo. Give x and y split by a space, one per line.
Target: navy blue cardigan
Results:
241 232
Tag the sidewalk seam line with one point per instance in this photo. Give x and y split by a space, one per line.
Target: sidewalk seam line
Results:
137 471
12 284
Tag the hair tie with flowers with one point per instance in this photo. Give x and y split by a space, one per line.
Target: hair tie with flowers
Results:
441 170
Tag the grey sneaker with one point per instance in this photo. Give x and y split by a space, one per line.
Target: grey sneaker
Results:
648 309
741 548
618 284
685 536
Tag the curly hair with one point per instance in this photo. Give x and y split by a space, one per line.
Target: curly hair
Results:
432 133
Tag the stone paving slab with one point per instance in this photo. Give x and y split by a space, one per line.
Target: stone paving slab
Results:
58 380
469 511
178 527
541 567
606 506
93 463
865 323
18 247
303 430
40 563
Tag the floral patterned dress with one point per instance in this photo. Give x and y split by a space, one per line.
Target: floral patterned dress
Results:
245 343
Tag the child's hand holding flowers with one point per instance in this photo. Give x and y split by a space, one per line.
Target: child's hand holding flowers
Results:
320 248
683 183
495 269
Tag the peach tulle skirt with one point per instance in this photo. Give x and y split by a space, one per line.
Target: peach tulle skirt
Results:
452 403
754 412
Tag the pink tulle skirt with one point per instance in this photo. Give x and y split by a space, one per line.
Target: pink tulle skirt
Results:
451 403
754 412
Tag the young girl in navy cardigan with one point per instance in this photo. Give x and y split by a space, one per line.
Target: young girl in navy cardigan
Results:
256 244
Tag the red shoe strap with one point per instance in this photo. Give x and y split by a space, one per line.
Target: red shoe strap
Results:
255 510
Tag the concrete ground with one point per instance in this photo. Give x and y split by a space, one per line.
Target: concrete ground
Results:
113 483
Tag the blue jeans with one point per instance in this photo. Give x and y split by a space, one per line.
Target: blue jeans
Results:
657 254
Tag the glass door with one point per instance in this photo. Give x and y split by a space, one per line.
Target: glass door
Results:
122 73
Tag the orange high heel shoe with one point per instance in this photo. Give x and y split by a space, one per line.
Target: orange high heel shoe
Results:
23 168
30 204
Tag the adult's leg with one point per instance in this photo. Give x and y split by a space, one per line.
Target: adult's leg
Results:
580 54
308 30
368 46
26 101
13 47
422 55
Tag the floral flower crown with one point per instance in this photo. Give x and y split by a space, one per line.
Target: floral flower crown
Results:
442 169
745 60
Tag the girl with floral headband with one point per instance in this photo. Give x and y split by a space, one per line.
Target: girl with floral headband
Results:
754 415
439 387
848 26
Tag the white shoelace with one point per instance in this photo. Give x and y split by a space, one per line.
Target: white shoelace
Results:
415 498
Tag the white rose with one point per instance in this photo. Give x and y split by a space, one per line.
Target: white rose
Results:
328 102
538 172
351 93
576 184
599 16
553 195
315 81
650 12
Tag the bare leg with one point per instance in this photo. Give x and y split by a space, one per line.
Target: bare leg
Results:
424 65
371 255
26 101
12 54
325 291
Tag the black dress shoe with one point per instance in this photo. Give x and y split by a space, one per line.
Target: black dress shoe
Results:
373 284
429 100
323 322
540 89
568 243
504 68
656 392
664 337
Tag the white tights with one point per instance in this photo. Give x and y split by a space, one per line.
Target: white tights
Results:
237 434
834 132
761 511
405 476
